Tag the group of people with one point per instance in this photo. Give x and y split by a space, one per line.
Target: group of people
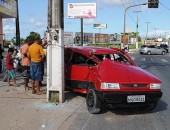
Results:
33 56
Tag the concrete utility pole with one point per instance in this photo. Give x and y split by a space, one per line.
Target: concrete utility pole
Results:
155 31
137 28
55 52
147 32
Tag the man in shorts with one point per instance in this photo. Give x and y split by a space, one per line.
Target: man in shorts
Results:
26 61
36 54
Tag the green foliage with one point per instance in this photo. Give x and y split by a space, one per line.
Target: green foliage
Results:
33 35
7 43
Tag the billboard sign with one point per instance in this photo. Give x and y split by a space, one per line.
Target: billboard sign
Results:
100 26
68 38
87 37
101 38
8 8
81 10
115 38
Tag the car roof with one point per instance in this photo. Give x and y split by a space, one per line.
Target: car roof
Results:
95 50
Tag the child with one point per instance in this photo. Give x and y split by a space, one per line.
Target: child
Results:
10 67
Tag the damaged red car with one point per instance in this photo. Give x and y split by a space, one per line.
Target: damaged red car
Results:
109 76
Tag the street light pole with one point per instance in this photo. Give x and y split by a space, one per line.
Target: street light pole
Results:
125 18
137 28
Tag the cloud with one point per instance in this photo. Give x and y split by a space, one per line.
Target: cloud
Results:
102 3
37 22
88 21
8 21
9 26
9 29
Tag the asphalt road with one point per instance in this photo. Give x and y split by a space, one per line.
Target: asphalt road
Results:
130 118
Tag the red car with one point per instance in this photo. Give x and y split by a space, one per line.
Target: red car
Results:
109 76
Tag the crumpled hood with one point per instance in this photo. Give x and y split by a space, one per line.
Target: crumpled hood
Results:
112 71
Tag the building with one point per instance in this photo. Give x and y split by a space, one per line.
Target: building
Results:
8 9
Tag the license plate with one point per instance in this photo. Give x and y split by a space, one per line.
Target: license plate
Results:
136 98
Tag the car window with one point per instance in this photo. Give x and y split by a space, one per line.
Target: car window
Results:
104 56
143 46
115 57
80 59
120 58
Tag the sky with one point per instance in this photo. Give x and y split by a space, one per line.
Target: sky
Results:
33 17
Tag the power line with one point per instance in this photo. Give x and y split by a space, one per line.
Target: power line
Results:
123 4
164 6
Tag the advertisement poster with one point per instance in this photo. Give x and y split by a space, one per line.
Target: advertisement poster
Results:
101 38
99 26
87 37
81 10
68 38
115 38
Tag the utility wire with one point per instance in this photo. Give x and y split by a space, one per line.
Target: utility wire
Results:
164 6
123 4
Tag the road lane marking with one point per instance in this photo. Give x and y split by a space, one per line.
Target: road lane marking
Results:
143 59
164 60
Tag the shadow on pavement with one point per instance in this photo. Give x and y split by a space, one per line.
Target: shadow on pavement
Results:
161 106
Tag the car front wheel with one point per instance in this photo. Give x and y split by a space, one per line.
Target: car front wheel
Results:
148 52
163 53
93 102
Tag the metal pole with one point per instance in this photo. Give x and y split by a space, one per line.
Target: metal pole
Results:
155 32
137 29
81 31
125 19
17 27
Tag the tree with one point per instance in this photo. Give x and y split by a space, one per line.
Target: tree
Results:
33 35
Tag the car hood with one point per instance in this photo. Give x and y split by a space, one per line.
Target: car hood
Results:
112 71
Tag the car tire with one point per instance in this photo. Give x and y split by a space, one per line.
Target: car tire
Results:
163 53
93 103
148 52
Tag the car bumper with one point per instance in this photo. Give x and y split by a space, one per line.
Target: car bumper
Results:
120 98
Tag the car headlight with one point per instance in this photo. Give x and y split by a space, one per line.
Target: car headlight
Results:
110 86
155 86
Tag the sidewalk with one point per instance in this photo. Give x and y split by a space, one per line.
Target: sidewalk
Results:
22 110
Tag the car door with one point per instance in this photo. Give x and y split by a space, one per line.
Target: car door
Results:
153 49
78 73
158 50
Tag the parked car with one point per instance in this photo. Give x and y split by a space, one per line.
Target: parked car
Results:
109 76
151 49
166 47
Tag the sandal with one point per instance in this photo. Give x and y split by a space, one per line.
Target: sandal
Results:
38 93
33 92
